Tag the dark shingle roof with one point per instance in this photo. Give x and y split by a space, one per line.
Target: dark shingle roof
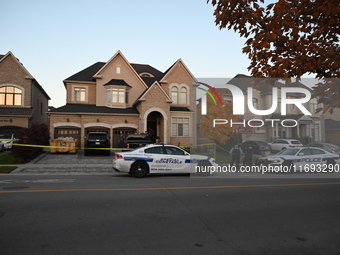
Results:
117 82
179 109
89 108
9 111
142 68
88 73
149 80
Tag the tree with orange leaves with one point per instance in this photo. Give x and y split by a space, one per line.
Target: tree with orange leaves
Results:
220 133
289 38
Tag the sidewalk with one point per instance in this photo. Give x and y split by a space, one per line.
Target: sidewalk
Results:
48 163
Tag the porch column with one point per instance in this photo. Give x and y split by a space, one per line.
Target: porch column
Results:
82 134
277 129
111 137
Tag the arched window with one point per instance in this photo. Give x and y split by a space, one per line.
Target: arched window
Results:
174 95
183 95
255 103
10 95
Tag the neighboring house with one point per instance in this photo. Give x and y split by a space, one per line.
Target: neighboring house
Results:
332 127
23 101
119 96
309 128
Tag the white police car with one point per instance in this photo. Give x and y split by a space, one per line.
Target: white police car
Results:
159 159
301 156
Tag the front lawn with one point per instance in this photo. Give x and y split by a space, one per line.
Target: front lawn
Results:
7 169
8 158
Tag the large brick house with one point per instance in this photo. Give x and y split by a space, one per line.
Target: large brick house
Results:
23 101
116 96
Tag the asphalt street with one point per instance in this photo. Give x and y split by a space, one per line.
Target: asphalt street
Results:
119 214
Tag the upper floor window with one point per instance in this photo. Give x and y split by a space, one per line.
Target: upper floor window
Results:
10 95
255 103
174 95
118 69
179 95
183 97
115 95
80 94
313 105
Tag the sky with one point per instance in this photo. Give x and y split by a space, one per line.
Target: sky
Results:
56 39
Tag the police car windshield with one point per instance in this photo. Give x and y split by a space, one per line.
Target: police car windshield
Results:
288 152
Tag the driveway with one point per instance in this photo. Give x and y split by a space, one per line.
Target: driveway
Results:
77 163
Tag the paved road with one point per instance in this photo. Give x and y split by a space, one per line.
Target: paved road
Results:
118 214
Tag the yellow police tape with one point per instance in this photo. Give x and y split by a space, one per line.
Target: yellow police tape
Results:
64 147
83 148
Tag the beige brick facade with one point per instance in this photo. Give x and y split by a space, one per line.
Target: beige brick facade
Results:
33 106
120 96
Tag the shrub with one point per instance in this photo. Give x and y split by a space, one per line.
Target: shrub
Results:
37 134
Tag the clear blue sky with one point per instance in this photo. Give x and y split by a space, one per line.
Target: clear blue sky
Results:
56 39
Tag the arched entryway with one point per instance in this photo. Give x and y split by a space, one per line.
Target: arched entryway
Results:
155 126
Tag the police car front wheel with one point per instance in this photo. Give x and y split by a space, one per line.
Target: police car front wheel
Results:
139 169
330 164
288 163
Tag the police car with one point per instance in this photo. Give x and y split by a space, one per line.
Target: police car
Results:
301 156
159 159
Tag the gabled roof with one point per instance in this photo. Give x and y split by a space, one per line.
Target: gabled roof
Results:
118 53
86 75
10 54
28 75
179 61
91 108
143 95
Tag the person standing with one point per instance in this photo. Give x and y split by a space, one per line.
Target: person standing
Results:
235 153
121 140
248 155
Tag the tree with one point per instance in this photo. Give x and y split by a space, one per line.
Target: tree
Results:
221 132
34 136
289 38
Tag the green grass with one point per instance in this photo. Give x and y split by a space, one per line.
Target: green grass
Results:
7 169
8 158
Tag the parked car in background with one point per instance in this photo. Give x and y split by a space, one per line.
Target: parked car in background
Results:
301 156
137 140
7 140
97 142
258 146
326 146
283 144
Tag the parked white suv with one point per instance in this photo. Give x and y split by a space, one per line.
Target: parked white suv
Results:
282 144
7 140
